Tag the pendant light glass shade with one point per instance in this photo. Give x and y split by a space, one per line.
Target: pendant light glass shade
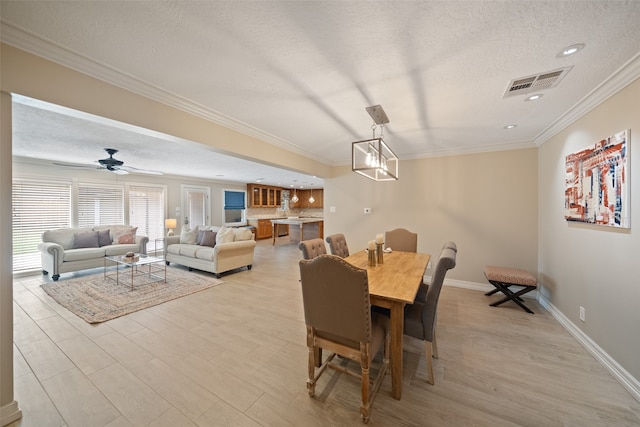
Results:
294 199
311 199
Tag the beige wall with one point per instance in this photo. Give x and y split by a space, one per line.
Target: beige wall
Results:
486 203
594 266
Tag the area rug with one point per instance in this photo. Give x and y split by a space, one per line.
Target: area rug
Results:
96 299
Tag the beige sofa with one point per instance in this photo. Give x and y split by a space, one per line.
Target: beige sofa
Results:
233 248
66 250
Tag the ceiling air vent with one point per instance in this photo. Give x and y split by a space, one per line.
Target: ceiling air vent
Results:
537 82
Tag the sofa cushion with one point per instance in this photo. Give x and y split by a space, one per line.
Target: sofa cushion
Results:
225 235
199 237
88 239
242 233
208 238
63 236
124 236
205 253
122 249
104 238
188 237
82 254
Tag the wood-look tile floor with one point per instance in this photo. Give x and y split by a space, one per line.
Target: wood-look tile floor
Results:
235 355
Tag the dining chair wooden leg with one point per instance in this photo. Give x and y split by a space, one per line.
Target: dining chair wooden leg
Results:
429 351
434 345
366 403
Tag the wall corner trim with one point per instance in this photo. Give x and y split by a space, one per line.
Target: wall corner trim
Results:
631 384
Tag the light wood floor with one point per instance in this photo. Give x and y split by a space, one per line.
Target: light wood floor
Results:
235 355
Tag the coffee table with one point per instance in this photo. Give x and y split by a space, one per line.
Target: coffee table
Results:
156 270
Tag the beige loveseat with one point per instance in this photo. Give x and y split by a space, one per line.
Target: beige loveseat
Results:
72 249
213 249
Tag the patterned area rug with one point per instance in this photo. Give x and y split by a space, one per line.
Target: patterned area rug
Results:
96 299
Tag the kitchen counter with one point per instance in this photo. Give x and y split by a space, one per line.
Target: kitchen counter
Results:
300 228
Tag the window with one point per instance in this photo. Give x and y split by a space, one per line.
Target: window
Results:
234 207
146 211
100 204
37 207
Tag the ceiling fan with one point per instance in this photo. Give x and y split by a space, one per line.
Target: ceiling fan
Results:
112 165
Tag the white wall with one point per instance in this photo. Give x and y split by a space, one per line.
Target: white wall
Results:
587 265
486 203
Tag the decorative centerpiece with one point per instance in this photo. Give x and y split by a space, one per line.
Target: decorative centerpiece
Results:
379 247
130 257
372 253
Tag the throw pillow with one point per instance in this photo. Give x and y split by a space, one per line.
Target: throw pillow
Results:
200 236
225 235
188 237
208 238
243 233
86 240
124 236
104 238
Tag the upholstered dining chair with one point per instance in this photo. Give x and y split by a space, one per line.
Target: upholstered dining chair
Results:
401 239
338 245
420 317
337 312
312 248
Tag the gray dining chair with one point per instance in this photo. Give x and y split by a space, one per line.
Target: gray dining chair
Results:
420 317
338 245
312 248
337 313
401 239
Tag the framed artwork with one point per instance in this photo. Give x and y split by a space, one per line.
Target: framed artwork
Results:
597 183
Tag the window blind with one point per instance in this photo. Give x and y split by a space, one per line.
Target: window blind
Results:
146 211
234 200
37 207
100 204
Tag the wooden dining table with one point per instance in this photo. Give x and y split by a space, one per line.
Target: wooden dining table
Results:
392 285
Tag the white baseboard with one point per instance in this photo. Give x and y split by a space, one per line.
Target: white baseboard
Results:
631 384
475 286
9 413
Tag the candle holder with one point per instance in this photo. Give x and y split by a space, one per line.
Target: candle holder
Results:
380 252
372 257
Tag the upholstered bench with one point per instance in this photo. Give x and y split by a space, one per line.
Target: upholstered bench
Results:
504 277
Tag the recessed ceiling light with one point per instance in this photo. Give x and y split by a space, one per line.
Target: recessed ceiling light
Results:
533 97
570 50
510 126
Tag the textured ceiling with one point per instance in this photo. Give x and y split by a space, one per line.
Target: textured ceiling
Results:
300 74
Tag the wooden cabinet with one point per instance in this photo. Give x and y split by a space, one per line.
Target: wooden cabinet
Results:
263 228
303 196
263 196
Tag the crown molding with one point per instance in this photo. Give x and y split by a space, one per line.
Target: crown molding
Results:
621 78
36 45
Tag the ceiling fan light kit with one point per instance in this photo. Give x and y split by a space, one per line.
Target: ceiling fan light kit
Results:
373 158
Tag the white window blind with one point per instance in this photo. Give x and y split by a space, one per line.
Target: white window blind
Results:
37 207
146 211
100 204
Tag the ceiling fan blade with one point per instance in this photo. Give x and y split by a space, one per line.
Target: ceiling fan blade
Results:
76 165
142 171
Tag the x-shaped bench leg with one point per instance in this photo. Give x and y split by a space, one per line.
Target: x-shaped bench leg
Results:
509 294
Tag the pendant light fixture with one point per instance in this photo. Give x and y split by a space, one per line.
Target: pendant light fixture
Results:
311 199
372 157
294 199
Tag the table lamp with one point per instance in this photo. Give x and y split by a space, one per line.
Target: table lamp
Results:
170 224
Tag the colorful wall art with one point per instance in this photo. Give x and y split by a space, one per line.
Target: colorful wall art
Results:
597 183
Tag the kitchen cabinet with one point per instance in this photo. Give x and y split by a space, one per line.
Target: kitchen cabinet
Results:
303 196
263 228
264 196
